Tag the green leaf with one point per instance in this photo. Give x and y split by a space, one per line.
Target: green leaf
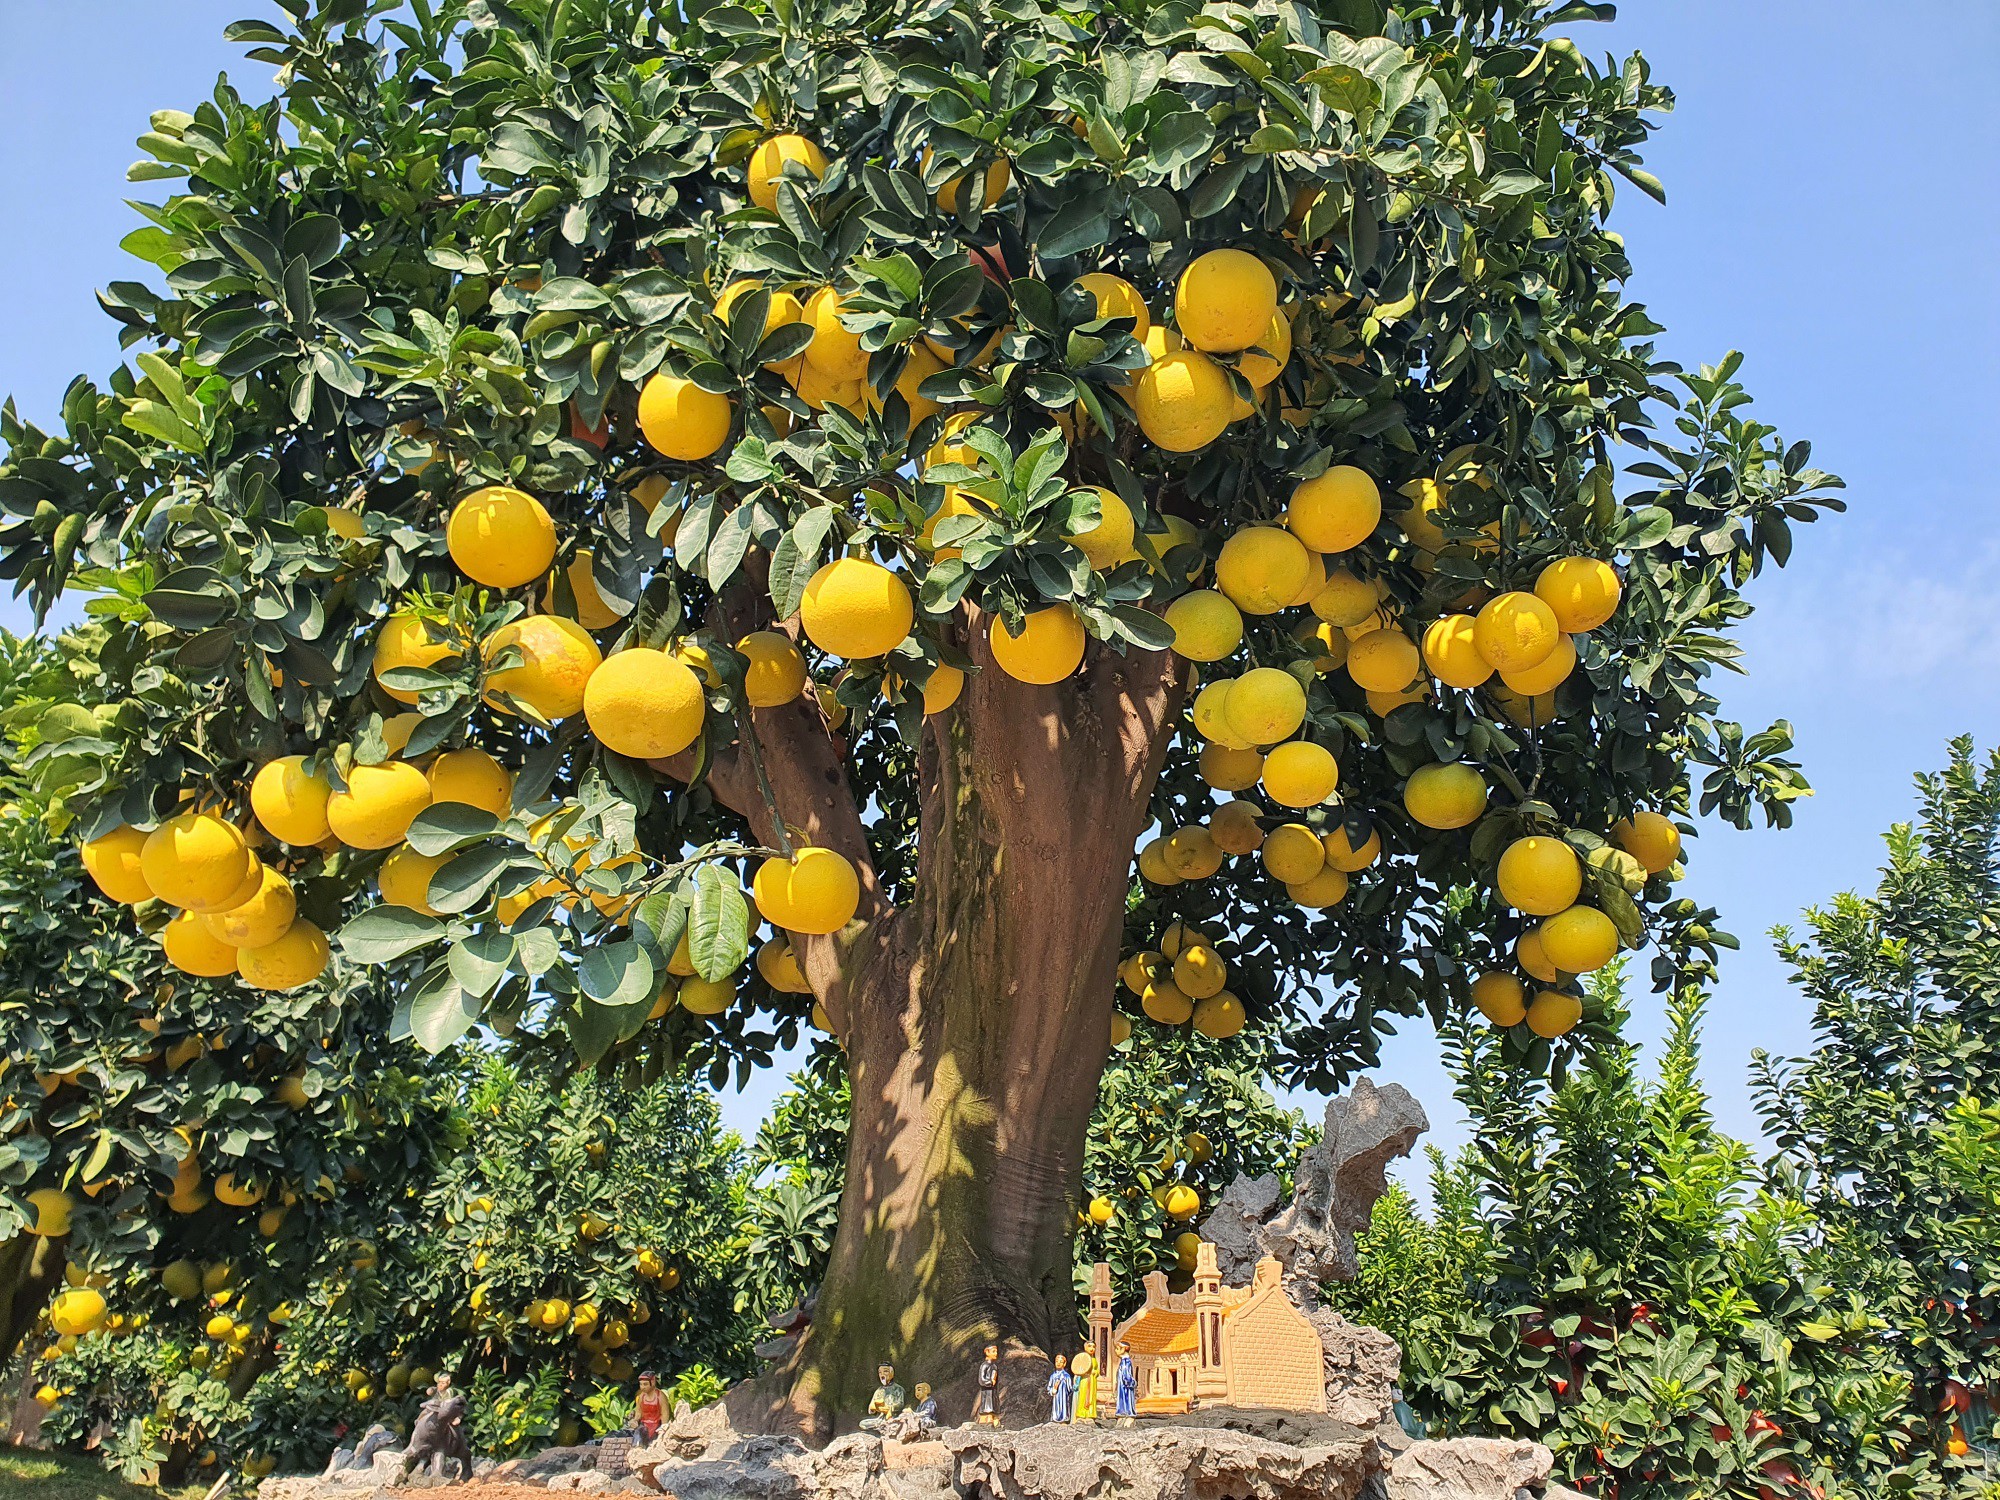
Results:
617 974
383 934
441 1013
479 962
444 827
718 923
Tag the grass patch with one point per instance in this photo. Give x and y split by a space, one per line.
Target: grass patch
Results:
58 1476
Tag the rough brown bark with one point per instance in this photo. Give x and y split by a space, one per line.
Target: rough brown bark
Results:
975 1017
30 1268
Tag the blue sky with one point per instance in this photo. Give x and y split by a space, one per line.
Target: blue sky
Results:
1832 190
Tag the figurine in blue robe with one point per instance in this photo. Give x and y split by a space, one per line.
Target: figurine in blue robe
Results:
1128 1384
1062 1390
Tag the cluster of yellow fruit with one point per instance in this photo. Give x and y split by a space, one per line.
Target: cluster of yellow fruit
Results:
1183 981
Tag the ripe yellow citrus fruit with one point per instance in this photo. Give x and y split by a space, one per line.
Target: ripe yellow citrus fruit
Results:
1318 892
472 777
1336 510
1165 1003
1299 773
1445 796
1265 706
820 390
182 1280
942 687
1315 581
996 177
1328 641
379 805
501 537
1183 1202
1178 936
1219 1016
299 957
1136 970
1102 1211
1183 401
781 309
816 891
1540 876
1293 853
1546 675
1501 998
196 861
1515 631
644 703
558 659
1048 649
1230 770
1209 712
853 608
405 879
1534 962
404 642
1118 298
1266 360
1199 971
1649 837
1523 712
1235 828
919 367
1341 853
834 351
1262 569
1107 542
775 673
113 862
590 609
1582 591
1121 1029
779 967
77 1312
1551 1013
289 803
262 919
1152 861
1383 661
1206 626
767 165
235 1193
1192 853
1452 654
681 420
1579 939
52 1208
1224 301
1345 599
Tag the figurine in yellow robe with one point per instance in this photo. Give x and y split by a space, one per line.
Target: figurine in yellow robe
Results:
1084 1368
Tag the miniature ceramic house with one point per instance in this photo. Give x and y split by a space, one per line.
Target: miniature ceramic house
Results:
1215 1345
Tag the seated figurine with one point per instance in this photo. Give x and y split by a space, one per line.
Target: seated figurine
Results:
919 1423
886 1404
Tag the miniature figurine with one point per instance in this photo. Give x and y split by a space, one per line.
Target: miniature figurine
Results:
440 1434
651 1409
1084 1369
1062 1390
986 1403
887 1402
919 1421
1128 1383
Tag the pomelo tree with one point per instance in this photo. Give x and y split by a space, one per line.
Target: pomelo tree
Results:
580 456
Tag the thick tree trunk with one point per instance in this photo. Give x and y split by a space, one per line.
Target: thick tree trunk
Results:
976 1019
31 1266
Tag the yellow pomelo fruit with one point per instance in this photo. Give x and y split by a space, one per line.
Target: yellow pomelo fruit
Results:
1328 641
474 778
290 804
1152 861
953 503
1273 351
854 609
1137 970
1551 1013
1118 298
1445 795
1178 936
1383 661
1299 773
77 1312
1262 569
1452 654
1164 1002
405 879
1177 531
1649 837
1182 1202
1315 581
236 1194
1210 714
1579 939
942 687
1426 497
379 805
1108 541
196 861
1540 876
996 177
781 309
767 165
53 1208
1183 401
1501 998
1265 705
1235 828
1293 853
775 673
1515 631
1206 626
834 352
404 642
1121 1029
558 659
1225 300
1101 1211
1199 971
1343 856
919 367
264 918
1581 591
299 957
1534 962
820 390
591 610
681 420
1187 1250
1230 770
1219 1016
1524 713
1048 649
181 1280
644 703
113 862
501 537
816 891
1345 599
1546 675
779 967
706 997
1320 891
1192 853
1336 511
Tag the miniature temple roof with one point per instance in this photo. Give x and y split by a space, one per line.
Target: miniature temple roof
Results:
1161 1330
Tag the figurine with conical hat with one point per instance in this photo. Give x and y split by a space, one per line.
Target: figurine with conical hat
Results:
1062 1390
1084 1369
